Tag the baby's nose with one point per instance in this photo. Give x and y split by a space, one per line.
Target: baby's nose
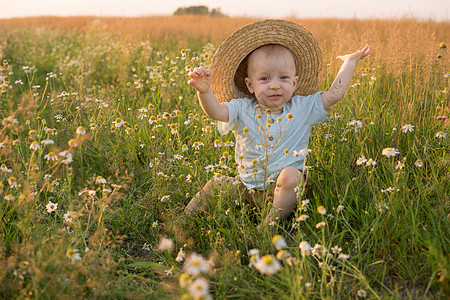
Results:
274 84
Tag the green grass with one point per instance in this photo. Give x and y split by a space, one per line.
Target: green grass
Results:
398 240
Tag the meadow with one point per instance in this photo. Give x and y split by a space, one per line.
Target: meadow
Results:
103 143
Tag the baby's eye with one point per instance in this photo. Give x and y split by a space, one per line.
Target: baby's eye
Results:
284 77
264 78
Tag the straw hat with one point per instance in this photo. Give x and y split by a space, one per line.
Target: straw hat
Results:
228 80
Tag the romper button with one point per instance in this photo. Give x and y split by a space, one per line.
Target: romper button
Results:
271 138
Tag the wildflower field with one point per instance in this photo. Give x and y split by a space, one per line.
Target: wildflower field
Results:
103 144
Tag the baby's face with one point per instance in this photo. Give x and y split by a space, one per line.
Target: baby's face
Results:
272 78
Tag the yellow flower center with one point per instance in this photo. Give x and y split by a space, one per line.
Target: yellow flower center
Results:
268 260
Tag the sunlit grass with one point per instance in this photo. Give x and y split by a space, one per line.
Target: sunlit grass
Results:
103 144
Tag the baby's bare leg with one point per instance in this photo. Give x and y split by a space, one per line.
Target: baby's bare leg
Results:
200 201
285 197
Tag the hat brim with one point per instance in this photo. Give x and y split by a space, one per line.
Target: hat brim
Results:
228 82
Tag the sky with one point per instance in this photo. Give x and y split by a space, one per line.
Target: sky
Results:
421 9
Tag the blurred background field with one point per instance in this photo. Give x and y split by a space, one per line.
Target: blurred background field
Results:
103 143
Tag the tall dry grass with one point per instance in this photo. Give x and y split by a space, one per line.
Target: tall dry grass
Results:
390 37
400 45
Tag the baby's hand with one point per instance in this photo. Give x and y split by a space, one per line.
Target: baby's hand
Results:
200 79
360 54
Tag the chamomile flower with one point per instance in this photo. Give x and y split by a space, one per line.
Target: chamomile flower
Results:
279 242
9 197
73 255
390 190
361 160
268 264
340 208
399 165
270 180
322 210
321 224
81 130
305 204
169 272
407 128
12 181
390 152
72 143
68 217
199 288
228 144
361 293
5 169
100 180
34 146
184 280
418 163
371 162
180 256
51 156
47 142
195 264
51 207
305 152
317 250
343 256
118 122
302 218
382 207
32 133
253 253
68 157
283 255
305 248
165 244
336 249
226 154
165 198
441 134
354 124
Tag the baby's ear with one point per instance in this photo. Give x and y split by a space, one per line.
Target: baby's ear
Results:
295 81
249 85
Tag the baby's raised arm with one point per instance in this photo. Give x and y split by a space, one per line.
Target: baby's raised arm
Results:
201 81
343 78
